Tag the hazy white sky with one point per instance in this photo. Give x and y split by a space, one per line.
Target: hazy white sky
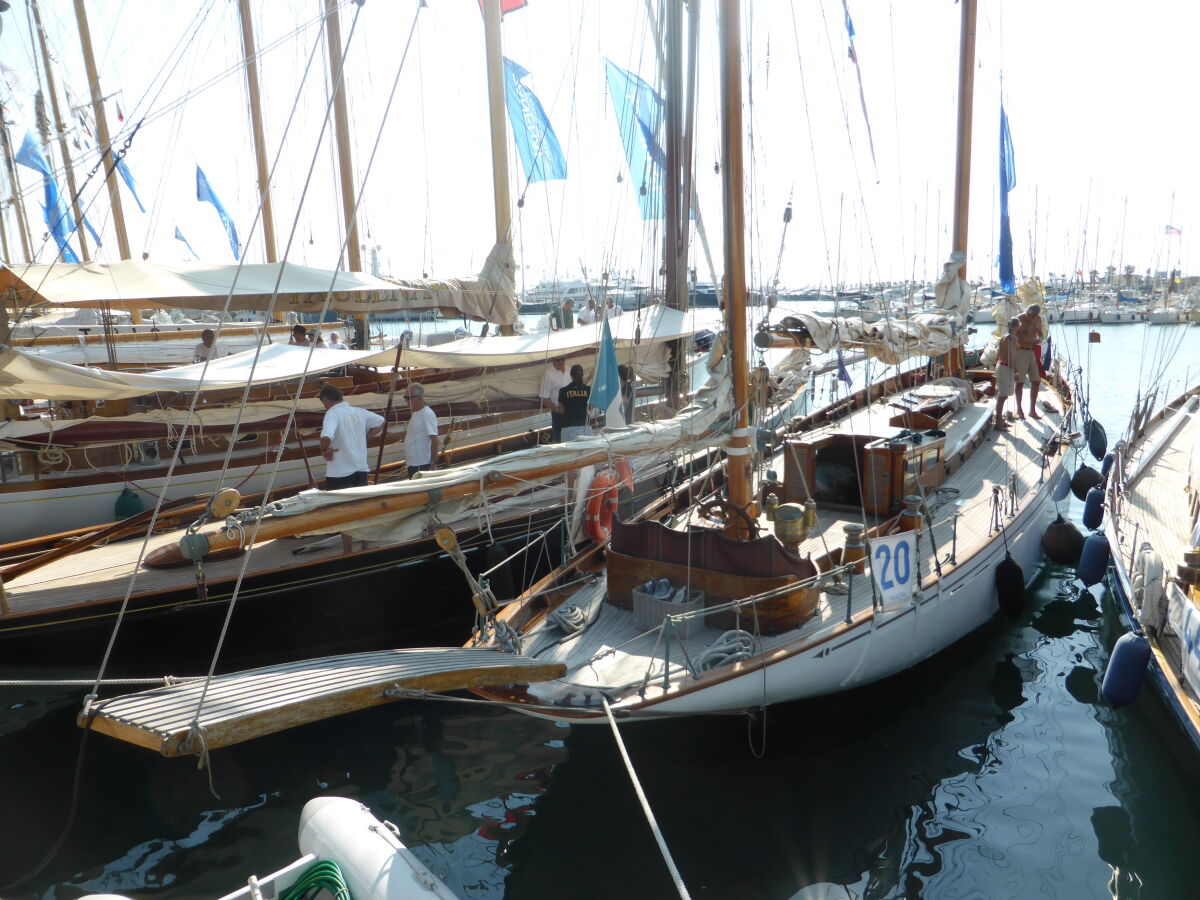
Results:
1094 91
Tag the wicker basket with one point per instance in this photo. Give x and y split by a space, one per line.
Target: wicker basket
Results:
648 612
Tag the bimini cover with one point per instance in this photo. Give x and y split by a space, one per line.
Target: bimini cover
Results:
27 376
137 284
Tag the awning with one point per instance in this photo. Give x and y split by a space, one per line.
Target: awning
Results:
652 326
135 284
24 375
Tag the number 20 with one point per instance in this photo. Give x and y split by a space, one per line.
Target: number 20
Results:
902 569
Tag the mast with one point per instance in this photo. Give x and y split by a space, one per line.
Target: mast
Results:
110 173
738 463
63 149
341 122
962 165
10 166
260 141
499 129
674 234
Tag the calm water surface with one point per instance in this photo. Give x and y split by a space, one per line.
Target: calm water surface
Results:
994 771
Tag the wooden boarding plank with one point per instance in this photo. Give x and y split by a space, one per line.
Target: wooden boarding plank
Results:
240 706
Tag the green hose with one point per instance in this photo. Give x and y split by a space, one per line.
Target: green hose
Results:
322 875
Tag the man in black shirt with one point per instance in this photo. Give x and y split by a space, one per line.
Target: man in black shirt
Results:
574 402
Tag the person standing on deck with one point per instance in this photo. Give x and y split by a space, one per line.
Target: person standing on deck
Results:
589 315
1025 363
421 438
563 316
574 402
553 381
611 309
299 336
1004 371
345 431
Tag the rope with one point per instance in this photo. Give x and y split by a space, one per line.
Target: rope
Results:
680 887
322 876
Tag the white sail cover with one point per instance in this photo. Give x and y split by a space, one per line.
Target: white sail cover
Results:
25 375
631 332
137 284
951 292
892 339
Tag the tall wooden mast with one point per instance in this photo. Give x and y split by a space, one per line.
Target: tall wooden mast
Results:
966 94
738 463
17 202
499 128
63 146
260 141
341 124
106 152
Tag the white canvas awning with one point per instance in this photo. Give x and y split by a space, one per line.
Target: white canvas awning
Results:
25 375
649 328
135 284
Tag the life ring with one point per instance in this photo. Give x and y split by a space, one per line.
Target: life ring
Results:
602 501
625 471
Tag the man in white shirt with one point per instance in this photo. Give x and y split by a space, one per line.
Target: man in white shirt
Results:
345 431
555 379
421 438
207 348
611 310
334 343
588 315
344 434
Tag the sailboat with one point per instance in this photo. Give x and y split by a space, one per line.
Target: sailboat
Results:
1150 547
901 523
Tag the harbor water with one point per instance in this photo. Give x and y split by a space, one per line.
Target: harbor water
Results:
995 770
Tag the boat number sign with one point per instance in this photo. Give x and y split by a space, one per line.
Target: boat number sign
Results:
894 566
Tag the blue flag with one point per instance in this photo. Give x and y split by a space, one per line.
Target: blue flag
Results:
842 373
179 237
540 152
640 115
1008 180
606 382
129 182
204 193
57 215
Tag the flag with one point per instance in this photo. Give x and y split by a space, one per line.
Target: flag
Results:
1008 180
842 374
540 152
179 237
1047 355
204 193
127 176
507 6
57 215
640 115
606 382
1172 230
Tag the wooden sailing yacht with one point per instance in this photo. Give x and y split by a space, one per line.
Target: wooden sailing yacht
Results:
903 523
1151 549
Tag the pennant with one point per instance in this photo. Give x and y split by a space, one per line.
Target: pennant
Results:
540 152
127 176
640 114
1008 180
843 374
1172 230
179 237
55 211
606 381
507 6
204 193
862 95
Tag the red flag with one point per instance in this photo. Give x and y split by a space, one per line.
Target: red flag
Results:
507 6
120 115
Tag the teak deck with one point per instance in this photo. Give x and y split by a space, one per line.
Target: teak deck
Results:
200 715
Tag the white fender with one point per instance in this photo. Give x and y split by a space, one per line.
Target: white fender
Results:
375 864
1148 586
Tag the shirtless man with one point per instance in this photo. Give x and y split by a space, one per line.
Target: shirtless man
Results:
1004 371
1025 364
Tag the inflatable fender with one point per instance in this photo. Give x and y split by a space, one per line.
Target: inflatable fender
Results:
1148 592
1093 509
1062 542
1126 669
1093 562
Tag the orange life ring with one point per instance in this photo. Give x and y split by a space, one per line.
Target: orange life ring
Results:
601 503
625 471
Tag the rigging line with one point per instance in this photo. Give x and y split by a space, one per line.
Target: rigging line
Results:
325 307
178 449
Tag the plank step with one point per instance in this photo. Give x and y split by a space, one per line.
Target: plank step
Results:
240 706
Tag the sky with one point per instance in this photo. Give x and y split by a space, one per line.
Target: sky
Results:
1094 91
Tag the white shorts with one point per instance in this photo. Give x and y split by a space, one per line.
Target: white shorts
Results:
1025 367
1004 381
